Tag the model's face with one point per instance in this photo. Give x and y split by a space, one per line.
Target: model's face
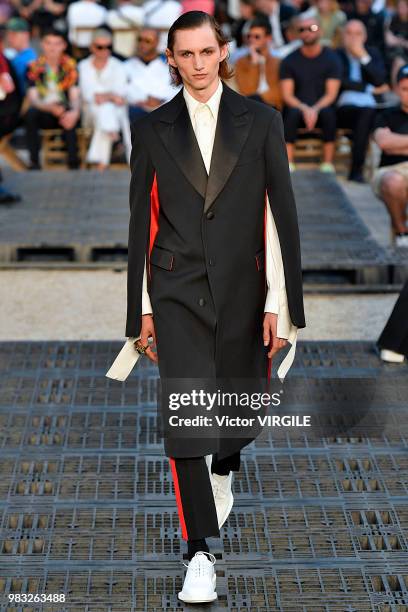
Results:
197 55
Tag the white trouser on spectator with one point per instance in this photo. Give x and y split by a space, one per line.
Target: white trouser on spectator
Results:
105 118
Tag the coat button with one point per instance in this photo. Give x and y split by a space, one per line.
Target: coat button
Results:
210 214
211 261
201 301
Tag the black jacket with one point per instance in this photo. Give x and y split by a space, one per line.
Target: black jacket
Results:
372 73
205 241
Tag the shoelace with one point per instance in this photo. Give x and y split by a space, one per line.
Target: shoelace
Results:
196 564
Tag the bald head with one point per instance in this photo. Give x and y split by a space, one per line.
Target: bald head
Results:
354 35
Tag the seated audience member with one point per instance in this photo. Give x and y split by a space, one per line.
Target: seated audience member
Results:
149 83
10 105
396 38
240 27
125 16
332 19
390 180
279 15
257 73
84 14
161 14
310 81
102 81
19 50
374 22
363 75
41 14
6 11
53 96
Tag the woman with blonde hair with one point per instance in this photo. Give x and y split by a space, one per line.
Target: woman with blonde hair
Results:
332 19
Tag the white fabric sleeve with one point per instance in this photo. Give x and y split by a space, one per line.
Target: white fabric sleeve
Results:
276 298
146 305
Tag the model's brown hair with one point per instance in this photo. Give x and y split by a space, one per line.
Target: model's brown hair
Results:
190 21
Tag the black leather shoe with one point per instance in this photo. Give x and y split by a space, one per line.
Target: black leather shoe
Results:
6 197
356 177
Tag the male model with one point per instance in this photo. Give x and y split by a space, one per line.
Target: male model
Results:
212 210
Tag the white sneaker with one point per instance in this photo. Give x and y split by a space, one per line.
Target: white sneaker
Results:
401 242
200 580
391 356
222 491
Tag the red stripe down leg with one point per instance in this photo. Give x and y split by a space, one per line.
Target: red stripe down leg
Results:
178 499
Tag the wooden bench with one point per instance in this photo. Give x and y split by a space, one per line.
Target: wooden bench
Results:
9 154
54 152
309 149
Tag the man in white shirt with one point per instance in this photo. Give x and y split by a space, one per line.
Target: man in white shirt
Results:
84 14
149 83
204 166
102 81
161 14
125 16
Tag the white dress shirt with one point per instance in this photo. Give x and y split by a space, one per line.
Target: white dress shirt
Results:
151 79
204 119
87 15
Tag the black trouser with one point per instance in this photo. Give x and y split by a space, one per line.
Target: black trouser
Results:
394 336
293 120
361 121
194 496
34 121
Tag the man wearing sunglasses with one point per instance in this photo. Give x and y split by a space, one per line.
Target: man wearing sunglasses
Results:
149 83
310 78
257 73
102 81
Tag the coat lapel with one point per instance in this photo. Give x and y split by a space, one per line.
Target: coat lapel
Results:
177 134
233 125
176 131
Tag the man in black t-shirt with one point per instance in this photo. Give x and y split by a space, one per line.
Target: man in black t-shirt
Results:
390 181
310 80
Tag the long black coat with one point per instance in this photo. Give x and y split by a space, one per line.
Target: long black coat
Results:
205 244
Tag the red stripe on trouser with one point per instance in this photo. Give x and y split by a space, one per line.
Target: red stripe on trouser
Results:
178 499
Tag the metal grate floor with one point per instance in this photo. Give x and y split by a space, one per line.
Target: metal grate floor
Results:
52 225
87 503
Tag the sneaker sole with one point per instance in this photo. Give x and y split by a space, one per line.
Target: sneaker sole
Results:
212 597
207 600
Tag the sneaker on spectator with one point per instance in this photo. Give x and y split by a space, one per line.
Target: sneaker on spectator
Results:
391 356
327 167
356 177
401 240
292 167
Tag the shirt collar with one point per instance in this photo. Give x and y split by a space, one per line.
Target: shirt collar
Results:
213 103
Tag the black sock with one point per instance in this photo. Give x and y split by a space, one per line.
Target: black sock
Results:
196 545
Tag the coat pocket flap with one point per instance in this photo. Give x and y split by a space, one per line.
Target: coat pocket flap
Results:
162 257
260 259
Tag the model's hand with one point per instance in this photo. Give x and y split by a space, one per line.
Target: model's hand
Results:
270 336
146 332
